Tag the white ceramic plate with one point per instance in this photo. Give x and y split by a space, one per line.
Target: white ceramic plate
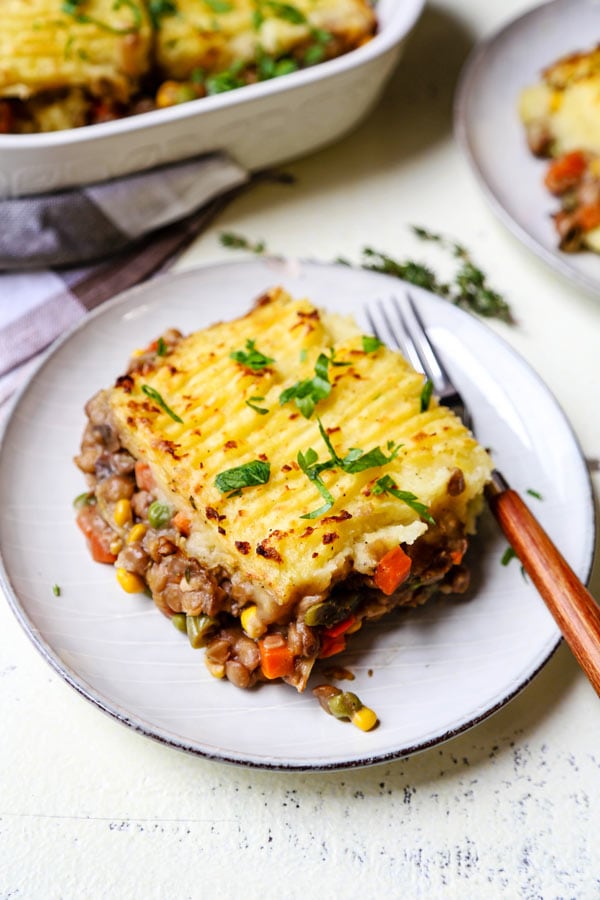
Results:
490 132
429 673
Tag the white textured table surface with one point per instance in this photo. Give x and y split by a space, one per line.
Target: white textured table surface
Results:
510 809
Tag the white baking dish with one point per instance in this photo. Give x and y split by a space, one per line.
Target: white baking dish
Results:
259 125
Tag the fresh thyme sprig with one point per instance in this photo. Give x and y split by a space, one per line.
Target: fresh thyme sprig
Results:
235 241
468 289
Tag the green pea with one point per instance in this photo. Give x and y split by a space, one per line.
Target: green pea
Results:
343 705
159 514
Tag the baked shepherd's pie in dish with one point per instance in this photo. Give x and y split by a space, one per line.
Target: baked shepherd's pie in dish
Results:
561 115
276 482
67 63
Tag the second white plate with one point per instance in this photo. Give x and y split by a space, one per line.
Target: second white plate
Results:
429 673
489 130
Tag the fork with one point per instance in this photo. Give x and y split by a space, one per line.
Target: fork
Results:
569 601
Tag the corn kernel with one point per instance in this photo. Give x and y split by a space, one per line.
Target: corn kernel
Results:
139 352
137 533
217 670
130 582
356 626
116 545
250 622
364 718
122 514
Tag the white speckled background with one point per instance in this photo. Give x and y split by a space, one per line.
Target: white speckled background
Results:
89 809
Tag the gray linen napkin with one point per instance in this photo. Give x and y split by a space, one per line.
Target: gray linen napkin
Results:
146 219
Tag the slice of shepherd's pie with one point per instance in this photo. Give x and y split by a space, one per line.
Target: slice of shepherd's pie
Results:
561 115
277 481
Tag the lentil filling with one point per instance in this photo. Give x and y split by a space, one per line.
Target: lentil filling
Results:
127 525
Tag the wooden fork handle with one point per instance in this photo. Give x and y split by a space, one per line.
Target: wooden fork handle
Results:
569 601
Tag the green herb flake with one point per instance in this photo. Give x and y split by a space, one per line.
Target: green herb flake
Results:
160 8
387 485
370 343
248 475
286 11
154 395
74 8
355 461
535 494
161 347
307 393
234 241
261 410
508 555
219 6
426 393
312 468
56 590
85 499
314 55
251 357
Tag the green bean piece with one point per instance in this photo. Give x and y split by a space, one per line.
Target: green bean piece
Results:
159 514
330 612
199 629
179 621
85 499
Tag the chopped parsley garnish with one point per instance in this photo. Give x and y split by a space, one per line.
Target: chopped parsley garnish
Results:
229 80
535 494
355 461
74 8
261 410
387 485
426 393
248 475
160 8
251 357
56 590
285 11
307 393
508 555
154 395
219 6
239 242
269 67
312 468
85 499
370 343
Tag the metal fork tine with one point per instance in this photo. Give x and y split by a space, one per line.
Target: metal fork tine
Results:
432 365
399 323
392 332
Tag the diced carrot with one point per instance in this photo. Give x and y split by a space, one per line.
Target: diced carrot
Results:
98 540
588 216
332 645
457 556
182 523
341 627
275 660
392 569
565 172
143 476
